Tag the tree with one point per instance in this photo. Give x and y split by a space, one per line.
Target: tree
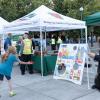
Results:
13 9
60 7
8 9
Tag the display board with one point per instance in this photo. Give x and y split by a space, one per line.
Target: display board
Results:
70 62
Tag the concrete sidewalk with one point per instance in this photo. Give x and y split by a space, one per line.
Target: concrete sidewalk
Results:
35 87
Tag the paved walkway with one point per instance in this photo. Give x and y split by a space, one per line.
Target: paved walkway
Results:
35 87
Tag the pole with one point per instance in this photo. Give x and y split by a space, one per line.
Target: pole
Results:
41 49
87 58
91 39
45 40
81 15
81 29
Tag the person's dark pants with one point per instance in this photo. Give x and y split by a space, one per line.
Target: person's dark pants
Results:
53 47
58 46
97 79
97 82
98 69
26 58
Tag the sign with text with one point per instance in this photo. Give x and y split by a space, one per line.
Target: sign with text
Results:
70 62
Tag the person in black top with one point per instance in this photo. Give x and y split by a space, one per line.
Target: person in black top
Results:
97 78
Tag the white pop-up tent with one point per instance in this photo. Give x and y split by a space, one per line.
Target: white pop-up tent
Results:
44 19
3 22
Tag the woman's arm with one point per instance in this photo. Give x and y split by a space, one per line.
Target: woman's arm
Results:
21 62
93 55
29 62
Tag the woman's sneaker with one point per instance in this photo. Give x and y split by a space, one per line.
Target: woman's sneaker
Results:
12 94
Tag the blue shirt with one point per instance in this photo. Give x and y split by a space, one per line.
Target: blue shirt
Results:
6 66
7 43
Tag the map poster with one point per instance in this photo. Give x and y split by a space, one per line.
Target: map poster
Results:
70 62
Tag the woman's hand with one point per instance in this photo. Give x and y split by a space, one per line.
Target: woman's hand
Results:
91 54
29 62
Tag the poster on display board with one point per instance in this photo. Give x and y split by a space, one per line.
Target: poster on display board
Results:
70 62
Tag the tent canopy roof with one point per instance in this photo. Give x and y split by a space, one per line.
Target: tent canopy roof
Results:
3 22
93 19
45 19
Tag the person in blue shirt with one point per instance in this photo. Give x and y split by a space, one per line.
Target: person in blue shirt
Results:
8 60
7 42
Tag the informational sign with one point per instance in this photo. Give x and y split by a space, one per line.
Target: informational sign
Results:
70 62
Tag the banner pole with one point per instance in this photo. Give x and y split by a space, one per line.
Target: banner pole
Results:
87 59
41 37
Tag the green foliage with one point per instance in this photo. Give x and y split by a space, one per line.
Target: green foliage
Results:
13 9
60 7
